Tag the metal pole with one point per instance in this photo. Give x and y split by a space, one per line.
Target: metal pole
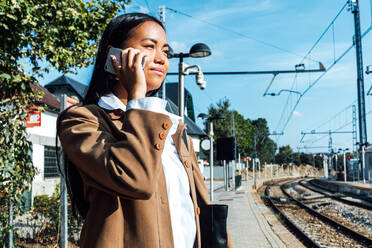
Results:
259 169
211 157
254 173
247 169
363 164
370 6
360 79
254 161
345 165
225 175
63 197
10 223
181 89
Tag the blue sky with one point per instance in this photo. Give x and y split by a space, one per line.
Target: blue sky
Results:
294 26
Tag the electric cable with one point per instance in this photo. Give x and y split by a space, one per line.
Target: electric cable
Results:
317 80
239 34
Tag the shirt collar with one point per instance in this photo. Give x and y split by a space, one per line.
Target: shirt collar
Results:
111 102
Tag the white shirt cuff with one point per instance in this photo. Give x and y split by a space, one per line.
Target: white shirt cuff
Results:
153 104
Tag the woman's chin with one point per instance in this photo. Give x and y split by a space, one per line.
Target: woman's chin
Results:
153 87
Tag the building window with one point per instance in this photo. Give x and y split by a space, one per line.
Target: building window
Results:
50 162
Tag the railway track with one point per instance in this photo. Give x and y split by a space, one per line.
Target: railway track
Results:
357 202
311 227
361 199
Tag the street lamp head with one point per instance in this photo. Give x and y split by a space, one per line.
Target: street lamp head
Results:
200 50
217 116
202 116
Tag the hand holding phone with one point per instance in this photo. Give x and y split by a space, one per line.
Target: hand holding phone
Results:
123 64
109 67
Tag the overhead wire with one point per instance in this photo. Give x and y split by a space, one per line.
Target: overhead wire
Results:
317 80
238 33
310 84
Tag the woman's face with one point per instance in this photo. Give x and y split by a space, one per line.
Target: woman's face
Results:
149 37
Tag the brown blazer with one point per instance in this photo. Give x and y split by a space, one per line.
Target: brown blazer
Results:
118 155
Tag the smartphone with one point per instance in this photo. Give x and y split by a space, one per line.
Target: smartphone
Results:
109 67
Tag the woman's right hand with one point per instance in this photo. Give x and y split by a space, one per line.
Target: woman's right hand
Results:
130 73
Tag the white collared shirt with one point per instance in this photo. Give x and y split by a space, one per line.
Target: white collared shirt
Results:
178 187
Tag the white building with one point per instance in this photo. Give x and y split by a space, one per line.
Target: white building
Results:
43 139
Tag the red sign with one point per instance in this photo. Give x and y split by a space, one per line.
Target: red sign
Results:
33 118
245 159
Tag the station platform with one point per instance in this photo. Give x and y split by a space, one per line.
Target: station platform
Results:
354 188
246 224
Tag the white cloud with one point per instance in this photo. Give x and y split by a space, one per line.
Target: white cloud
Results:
143 9
179 47
297 114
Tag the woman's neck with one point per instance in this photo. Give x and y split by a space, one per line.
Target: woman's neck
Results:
121 93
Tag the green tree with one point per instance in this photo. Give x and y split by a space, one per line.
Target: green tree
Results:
284 155
36 37
264 144
244 130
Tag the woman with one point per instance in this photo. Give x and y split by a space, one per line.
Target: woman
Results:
131 168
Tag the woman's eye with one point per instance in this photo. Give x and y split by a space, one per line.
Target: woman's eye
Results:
149 46
166 52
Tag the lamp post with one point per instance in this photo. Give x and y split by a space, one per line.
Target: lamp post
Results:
344 152
198 50
211 134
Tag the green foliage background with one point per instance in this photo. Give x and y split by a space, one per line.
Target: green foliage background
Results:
245 130
37 36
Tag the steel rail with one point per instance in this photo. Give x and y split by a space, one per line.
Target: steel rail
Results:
366 199
306 240
352 234
337 198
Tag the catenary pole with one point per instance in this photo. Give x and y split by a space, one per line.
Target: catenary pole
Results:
360 79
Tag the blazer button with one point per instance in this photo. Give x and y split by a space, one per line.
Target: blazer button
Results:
158 146
166 125
162 135
187 163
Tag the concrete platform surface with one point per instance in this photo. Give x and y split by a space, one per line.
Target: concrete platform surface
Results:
248 228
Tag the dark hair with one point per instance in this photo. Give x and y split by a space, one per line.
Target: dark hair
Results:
115 34
101 83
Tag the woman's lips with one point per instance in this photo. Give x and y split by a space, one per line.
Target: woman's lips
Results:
158 71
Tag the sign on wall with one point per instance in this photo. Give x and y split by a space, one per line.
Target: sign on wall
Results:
33 118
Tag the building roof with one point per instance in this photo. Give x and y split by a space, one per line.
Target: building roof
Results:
48 98
65 81
192 128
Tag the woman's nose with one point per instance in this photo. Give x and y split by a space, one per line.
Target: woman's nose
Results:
160 57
